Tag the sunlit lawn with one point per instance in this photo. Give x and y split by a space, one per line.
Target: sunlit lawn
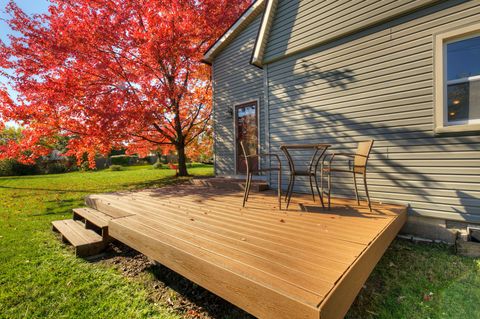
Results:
39 278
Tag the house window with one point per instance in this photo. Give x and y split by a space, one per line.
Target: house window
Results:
458 80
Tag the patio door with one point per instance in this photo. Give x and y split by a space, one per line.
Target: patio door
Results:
246 131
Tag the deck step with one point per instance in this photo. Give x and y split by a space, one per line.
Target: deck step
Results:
86 241
93 219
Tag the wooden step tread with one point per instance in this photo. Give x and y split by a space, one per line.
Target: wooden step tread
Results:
85 241
94 216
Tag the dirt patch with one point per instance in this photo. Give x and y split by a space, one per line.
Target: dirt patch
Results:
168 288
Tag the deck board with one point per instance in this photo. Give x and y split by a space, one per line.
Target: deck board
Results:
302 263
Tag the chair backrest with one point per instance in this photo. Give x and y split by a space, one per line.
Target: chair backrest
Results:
363 153
245 155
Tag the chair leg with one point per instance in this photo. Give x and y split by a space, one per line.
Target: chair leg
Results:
249 185
356 188
366 191
311 188
246 190
289 185
291 191
320 195
321 181
279 181
329 189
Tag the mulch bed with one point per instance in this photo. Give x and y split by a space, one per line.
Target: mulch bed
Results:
168 288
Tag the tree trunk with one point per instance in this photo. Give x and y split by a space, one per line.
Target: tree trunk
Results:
159 157
182 160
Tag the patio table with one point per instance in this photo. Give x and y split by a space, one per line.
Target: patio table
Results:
318 151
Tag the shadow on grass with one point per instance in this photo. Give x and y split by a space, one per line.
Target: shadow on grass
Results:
157 183
167 287
27 177
60 191
197 298
61 207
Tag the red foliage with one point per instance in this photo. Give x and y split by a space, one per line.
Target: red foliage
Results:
112 73
202 148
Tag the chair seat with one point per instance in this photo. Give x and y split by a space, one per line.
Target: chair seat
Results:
329 169
303 173
359 170
271 169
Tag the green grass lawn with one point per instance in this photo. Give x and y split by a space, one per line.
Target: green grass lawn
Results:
420 281
39 278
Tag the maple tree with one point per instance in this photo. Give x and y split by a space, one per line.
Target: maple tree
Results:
202 148
111 73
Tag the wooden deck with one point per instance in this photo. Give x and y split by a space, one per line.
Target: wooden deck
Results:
300 263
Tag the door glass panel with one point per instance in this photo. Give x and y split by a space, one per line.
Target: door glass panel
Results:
247 133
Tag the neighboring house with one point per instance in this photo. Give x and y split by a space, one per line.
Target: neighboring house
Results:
403 72
55 155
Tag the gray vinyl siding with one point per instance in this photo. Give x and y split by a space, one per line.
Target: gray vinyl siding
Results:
380 84
300 24
235 81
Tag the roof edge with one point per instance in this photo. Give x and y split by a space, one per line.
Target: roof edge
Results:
230 34
263 33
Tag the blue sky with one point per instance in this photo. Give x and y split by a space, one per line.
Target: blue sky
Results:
29 6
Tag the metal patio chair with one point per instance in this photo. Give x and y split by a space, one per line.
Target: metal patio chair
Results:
360 161
252 170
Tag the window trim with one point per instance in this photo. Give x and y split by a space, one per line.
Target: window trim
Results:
441 124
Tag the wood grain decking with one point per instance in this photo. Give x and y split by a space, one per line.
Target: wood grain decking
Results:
301 263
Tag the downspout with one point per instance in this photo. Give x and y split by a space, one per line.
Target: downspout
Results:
214 135
267 117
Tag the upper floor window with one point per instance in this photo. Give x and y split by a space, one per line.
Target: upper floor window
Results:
458 80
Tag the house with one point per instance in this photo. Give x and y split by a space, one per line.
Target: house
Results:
402 72
405 73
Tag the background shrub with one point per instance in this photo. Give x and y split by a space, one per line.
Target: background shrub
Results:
55 167
150 159
85 166
116 168
11 167
123 160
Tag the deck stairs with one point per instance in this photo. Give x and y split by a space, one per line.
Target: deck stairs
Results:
87 231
